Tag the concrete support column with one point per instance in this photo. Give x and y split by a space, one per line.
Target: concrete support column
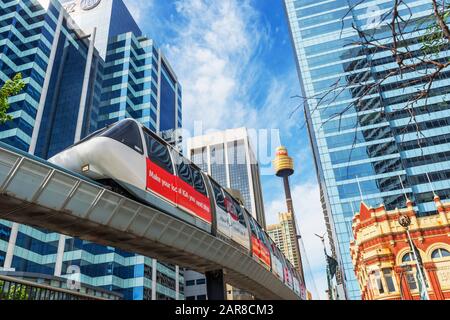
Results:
60 255
11 245
215 285
430 267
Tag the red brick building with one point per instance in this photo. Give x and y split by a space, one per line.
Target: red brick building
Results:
384 263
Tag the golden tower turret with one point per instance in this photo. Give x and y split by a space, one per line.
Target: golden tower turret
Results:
283 164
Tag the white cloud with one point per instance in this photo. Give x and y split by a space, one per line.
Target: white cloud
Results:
139 8
216 55
310 221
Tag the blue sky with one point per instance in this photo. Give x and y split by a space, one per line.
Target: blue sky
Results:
234 59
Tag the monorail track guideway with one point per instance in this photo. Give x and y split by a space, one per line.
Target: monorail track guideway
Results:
37 193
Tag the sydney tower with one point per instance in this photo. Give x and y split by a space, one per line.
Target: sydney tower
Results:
284 168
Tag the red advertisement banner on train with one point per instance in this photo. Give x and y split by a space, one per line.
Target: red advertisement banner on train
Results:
192 200
265 254
161 182
177 191
256 247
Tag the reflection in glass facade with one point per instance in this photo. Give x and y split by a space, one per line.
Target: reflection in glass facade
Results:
47 49
49 53
374 149
218 168
131 86
110 17
239 175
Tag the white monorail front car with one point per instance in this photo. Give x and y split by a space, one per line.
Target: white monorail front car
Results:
130 159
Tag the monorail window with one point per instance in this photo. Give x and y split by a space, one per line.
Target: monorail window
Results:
234 207
158 153
184 170
253 227
240 212
199 184
218 195
126 132
263 237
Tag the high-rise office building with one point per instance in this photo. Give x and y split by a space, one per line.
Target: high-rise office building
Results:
70 87
362 152
110 18
283 234
138 81
58 63
229 157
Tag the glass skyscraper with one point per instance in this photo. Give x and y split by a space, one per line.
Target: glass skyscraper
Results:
138 80
80 78
361 152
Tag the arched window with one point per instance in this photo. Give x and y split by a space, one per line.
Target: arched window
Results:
440 253
408 257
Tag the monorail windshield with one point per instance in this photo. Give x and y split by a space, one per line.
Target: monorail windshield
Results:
89 137
128 133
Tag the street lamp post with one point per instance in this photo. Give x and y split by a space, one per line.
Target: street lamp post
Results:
330 287
405 222
405 269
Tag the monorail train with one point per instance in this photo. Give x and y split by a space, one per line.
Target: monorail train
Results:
131 160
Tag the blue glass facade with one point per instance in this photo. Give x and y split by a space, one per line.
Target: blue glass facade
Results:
139 84
131 81
49 54
168 100
366 146
5 232
119 12
24 47
126 84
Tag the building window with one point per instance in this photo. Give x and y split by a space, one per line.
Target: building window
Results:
408 257
190 298
201 281
440 253
201 297
379 282
411 281
190 283
389 281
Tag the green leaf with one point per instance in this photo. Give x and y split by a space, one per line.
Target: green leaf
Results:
9 89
